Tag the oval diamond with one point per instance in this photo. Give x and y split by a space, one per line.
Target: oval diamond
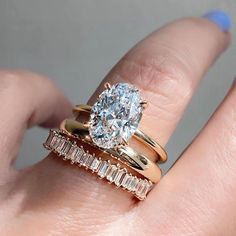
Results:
115 116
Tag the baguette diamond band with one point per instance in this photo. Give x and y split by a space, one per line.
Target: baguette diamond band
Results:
68 149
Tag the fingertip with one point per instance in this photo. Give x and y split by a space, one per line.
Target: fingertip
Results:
220 18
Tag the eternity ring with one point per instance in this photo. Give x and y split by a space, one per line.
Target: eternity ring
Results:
66 147
115 117
124 154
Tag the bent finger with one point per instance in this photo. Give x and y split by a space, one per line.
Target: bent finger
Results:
27 99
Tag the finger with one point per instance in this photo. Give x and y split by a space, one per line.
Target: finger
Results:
198 193
166 66
26 100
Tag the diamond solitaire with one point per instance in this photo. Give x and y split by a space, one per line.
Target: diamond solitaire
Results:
115 116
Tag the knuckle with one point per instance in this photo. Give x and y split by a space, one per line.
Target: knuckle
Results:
10 79
165 75
20 80
13 80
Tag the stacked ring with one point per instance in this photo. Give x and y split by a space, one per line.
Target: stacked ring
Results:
113 121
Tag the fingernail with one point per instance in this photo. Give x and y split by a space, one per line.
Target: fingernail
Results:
220 18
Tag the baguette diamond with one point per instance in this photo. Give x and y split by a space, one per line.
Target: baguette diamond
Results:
119 177
60 145
142 188
112 172
103 169
55 141
72 153
89 160
94 165
83 159
66 148
126 180
79 155
48 142
133 184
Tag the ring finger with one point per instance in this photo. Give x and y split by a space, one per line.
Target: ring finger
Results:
167 67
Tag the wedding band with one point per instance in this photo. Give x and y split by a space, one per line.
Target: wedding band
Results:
159 150
124 154
62 145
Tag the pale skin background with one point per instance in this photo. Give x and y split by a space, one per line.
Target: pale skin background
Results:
196 197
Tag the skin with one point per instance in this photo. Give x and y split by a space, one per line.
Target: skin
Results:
196 197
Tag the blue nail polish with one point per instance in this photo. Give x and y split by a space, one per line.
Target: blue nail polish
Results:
220 18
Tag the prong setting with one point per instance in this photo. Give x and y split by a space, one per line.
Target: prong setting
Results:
144 104
107 85
115 117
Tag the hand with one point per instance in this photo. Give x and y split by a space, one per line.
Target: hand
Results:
196 197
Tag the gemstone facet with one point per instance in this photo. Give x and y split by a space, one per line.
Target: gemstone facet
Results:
115 116
119 177
112 172
94 165
103 169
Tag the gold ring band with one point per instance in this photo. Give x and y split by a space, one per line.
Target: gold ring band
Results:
160 151
124 154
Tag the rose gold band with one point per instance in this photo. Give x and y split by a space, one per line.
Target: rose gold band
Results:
62 145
